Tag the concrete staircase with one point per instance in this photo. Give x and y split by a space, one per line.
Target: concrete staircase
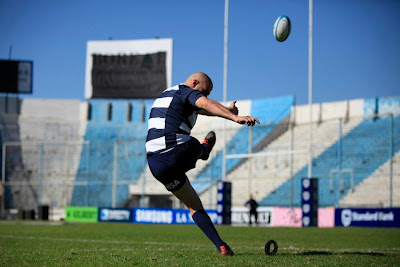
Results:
270 171
375 190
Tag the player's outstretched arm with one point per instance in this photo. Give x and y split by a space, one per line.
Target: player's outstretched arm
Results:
214 108
232 108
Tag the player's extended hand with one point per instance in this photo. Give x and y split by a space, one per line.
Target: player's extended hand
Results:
250 121
233 108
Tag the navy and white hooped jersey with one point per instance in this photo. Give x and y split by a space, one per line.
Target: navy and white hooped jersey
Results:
172 117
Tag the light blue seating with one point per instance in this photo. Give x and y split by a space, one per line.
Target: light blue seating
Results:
365 148
97 171
271 112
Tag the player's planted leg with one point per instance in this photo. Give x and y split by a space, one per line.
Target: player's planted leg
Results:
190 198
225 250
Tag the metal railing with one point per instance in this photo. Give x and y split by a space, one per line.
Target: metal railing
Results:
61 173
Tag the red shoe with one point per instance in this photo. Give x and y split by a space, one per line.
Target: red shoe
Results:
226 251
209 141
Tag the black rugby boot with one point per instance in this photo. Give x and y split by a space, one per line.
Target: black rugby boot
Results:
209 142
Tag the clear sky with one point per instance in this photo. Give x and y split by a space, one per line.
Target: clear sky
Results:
356 44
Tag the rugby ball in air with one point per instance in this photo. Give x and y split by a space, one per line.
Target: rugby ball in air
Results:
282 28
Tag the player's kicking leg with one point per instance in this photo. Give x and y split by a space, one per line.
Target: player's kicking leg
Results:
207 145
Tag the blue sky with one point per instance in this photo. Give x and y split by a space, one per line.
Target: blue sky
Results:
356 44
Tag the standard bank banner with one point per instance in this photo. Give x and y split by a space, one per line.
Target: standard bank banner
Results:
115 215
368 217
168 216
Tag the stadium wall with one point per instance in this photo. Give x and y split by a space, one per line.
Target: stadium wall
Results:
116 132
68 152
270 112
34 136
362 150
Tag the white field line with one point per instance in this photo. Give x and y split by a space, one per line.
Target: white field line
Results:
290 248
88 240
346 250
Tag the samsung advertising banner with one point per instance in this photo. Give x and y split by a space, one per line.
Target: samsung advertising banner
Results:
168 216
128 69
115 215
368 217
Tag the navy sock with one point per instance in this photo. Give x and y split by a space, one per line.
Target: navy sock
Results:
204 222
206 150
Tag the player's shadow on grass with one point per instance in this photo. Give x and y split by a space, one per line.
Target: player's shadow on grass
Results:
316 253
365 253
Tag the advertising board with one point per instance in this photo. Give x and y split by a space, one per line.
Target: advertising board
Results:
81 214
240 215
380 217
115 215
167 216
126 69
16 76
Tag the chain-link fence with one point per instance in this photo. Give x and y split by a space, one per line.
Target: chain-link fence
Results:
58 174
357 162
37 173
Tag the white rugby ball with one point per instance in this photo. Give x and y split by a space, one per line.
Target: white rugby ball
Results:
282 28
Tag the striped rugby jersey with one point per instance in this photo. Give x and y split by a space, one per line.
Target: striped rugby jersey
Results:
172 117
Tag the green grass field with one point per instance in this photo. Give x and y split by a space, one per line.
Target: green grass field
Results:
114 244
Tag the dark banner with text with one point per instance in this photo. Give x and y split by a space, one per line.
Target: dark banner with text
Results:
129 76
16 76
115 215
368 217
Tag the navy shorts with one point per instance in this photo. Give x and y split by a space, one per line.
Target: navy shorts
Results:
170 167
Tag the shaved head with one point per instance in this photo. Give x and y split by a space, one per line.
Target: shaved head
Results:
200 81
200 76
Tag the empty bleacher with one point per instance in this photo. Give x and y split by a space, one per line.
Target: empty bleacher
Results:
271 113
279 164
116 134
374 191
68 152
363 150
36 135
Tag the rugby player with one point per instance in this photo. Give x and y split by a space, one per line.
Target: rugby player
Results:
171 151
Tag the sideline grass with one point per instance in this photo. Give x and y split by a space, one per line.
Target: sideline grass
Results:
114 244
